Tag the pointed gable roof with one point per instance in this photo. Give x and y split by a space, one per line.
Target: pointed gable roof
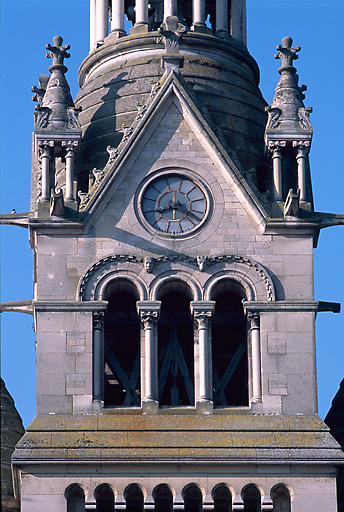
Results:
134 139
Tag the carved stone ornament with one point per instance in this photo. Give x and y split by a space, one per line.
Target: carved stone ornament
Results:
149 318
254 319
113 152
286 53
98 319
58 52
40 91
303 114
203 318
274 114
98 175
83 196
71 146
292 203
148 264
202 262
171 31
44 148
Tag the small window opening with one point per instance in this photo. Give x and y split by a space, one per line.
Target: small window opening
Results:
105 500
75 497
281 499
252 499
134 498
122 346
175 346
192 496
222 497
229 346
163 498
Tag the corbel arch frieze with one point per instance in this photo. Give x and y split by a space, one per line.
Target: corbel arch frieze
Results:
200 273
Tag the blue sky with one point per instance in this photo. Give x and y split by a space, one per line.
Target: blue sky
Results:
28 25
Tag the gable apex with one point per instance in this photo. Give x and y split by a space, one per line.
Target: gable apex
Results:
166 95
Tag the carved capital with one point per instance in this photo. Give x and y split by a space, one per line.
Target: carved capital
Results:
44 148
98 319
149 318
275 147
254 319
302 146
71 147
203 319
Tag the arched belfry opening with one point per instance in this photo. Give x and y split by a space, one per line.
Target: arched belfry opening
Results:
176 345
75 497
121 345
163 498
105 499
222 497
229 345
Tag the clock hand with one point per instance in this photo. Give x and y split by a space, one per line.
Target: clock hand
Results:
183 209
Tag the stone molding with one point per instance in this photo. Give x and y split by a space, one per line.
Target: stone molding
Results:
105 267
281 305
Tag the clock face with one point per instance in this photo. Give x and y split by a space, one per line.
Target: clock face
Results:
173 204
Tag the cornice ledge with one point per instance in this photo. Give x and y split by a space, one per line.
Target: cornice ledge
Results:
18 306
69 305
281 305
15 219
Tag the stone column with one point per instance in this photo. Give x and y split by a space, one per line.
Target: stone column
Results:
102 20
45 156
275 148
222 18
71 147
238 20
202 312
92 24
149 313
170 8
117 16
301 156
98 356
254 320
198 10
141 12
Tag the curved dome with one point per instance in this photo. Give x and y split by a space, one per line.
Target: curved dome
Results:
220 74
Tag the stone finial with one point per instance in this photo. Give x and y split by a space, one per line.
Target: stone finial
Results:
40 91
172 31
286 53
58 52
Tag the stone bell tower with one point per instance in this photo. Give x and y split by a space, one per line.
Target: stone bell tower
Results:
172 225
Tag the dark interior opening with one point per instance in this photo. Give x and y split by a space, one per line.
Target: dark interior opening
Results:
252 499
163 498
222 499
229 346
105 500
193 498
175 346
122 346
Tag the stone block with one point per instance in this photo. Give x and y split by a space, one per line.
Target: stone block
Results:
278 384
78 383
51 363
76 342
51 342
54 404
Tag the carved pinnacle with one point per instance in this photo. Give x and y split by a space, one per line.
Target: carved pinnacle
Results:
58 52
286 53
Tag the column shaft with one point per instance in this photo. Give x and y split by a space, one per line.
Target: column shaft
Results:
256 366
102 20
277 175
141 12
69 175
92 24
117 15
198 12
222 16
98 357
170 8
45 178
301 173
151 363
238 20
203 364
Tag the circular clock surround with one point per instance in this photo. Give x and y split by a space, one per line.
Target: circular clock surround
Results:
173 203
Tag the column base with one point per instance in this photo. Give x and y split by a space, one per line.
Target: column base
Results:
43 211
223 34
115 34
277 209
150 407
71 208
205 406
201 29
138 29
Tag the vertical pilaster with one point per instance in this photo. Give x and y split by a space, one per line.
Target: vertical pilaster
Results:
98 356
238 20
202 312
102 21
254 320
222 18
149 314
301 156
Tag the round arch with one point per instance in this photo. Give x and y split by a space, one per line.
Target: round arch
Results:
173 277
